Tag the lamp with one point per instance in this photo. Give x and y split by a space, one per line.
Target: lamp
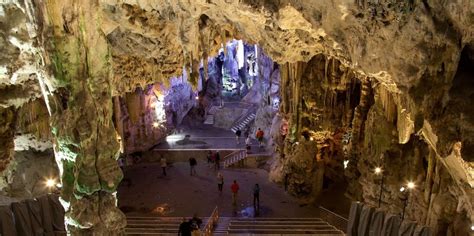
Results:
378 171
410 185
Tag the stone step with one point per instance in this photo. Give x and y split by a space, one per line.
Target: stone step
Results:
275 219
284 231
284 227
305 223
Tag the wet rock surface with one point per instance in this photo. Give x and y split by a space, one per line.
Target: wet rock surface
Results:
363 84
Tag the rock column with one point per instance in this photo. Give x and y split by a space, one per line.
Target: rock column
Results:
85 141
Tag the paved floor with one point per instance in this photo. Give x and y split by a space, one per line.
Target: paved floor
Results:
179 194
206 137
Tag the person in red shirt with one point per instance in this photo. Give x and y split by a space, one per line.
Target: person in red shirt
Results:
259 136
235 189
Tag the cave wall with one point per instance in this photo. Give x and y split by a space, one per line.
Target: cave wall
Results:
344 116
405 57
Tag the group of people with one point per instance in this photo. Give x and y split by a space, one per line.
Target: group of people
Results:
214 158
259 135
235 190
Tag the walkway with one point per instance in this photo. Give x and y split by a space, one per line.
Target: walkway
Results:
179 194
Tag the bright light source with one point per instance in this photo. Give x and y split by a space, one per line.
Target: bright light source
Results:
156 124
411 185
297 143
378 170
50 183
197 97
346 162
402 189
311 138
472 227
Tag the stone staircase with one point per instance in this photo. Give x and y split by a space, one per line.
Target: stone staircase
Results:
148 225
234 157
241 123
281 226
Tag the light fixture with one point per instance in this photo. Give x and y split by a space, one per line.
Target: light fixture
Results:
472 227
311 138
411 185
50 183
402 189
297 143
197 97
156 124
378 170
346 162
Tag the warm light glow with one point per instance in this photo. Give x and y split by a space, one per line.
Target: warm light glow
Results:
156 124
197 97
50 183
311 138
378 170
346 162
402 189
472 227
411 185
297 143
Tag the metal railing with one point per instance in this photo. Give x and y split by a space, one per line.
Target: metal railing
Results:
234 157
334 219
211 222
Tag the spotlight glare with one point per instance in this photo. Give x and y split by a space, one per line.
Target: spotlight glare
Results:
50 183
411 185
311 138
378 170
472 227
346 162
197 97
402 189
155 124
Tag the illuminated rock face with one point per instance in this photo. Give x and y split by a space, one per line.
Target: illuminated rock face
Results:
387 74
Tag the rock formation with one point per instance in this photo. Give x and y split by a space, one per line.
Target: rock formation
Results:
375 83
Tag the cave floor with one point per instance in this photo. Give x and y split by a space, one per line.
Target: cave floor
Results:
206 137
179 194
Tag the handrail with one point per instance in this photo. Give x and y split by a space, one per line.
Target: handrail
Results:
211 222
235 157
340 223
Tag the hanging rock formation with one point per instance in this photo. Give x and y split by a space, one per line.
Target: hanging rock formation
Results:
370 82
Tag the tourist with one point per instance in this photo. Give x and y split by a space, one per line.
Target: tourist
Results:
184 228
237 135
247 133
209 158
163 165
195 222
217 161
192 164
256 198
248 141
235 189
259 136
220 182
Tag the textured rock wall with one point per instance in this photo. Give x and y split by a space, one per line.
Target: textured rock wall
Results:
135 120
405 56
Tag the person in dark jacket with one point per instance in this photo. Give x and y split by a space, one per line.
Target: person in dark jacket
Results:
192 164
184 228
237 135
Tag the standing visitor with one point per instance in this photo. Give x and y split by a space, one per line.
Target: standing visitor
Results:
192 164
256 198
259 136
248 141
184 228
220 182
209 158
235 189
237 135
163 165
218 159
